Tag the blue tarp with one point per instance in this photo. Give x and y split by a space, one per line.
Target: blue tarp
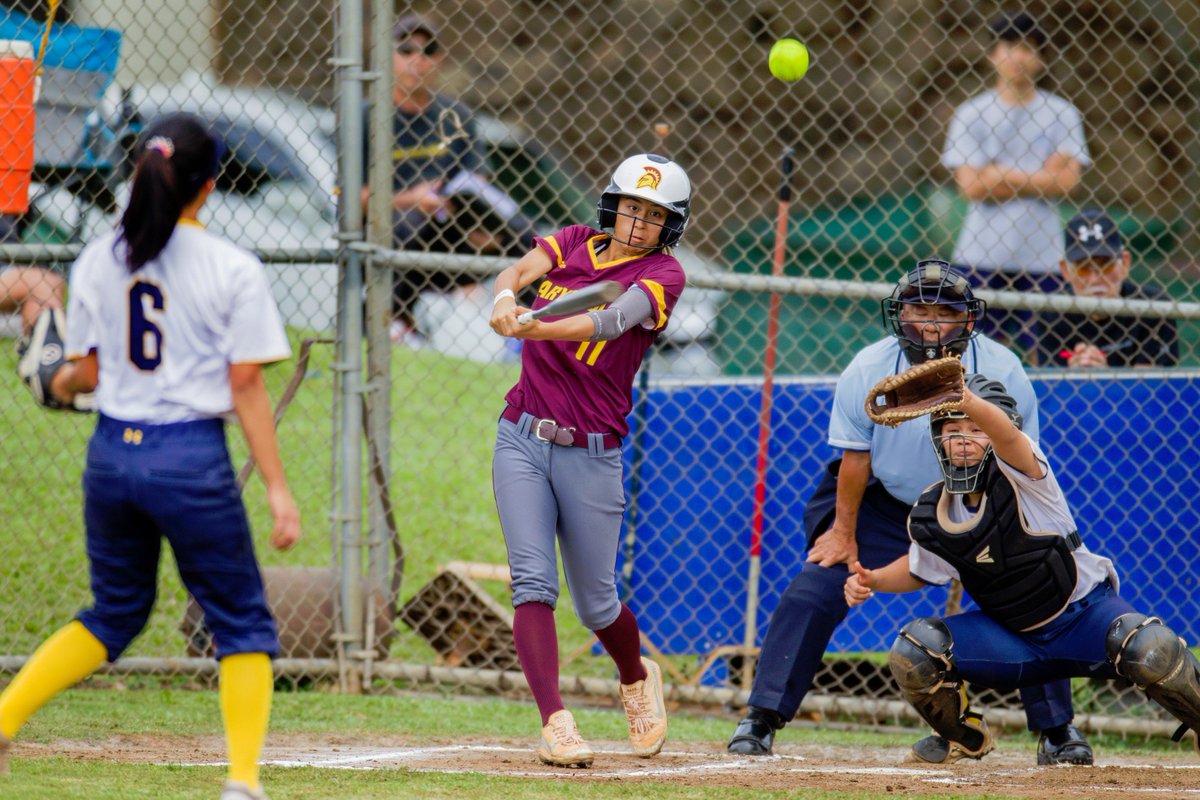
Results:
70 47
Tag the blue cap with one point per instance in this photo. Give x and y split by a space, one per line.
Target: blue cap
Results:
1092 234
1016 27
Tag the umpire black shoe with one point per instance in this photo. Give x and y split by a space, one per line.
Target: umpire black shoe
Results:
1064 745
755 734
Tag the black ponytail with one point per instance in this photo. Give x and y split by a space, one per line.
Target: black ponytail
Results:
176 155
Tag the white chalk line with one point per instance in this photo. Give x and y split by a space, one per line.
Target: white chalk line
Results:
375 759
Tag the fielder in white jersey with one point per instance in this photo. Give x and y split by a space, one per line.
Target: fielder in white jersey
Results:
203 300
171 325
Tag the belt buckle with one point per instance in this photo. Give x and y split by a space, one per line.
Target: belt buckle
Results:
537 430
563 437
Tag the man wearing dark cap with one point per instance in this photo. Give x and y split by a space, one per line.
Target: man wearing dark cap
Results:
1015 151
439 167
859 510
1097 265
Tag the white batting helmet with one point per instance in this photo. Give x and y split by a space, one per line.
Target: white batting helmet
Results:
657 179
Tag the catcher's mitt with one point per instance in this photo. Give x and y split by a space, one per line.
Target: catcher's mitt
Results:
43 354
935 385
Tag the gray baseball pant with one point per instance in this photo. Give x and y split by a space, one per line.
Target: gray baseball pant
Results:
543 490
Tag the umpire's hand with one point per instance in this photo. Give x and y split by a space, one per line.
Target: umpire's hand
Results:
835 546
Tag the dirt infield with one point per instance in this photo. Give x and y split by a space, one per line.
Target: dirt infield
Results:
1008 774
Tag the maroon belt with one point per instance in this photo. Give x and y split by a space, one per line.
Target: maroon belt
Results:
548 430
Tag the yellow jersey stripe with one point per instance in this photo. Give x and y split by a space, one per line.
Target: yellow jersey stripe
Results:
591 248
660 298
558 256
420 151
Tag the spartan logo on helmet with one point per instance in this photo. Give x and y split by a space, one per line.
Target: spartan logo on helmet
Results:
966 478
650 177
922 335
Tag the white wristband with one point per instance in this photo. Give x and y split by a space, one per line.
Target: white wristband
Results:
503 294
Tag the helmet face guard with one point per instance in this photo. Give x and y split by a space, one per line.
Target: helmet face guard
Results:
960 478
932 283
653 178
963 478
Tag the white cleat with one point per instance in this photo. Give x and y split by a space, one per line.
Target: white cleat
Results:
562 745
236 790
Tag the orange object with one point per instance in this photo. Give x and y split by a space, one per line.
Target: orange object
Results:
18 81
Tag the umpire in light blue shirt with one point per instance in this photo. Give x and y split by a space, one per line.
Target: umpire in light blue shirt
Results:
860 507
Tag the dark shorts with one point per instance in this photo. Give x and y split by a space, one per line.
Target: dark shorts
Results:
1014 327
146 482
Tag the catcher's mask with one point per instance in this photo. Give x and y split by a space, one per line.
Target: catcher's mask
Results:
650 177
965 479
932 283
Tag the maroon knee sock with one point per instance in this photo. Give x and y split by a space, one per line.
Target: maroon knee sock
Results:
624 644
537 648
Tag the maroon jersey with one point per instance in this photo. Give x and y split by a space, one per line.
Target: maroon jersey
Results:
589 385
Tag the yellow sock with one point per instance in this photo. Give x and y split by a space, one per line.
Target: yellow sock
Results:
63 660
246 687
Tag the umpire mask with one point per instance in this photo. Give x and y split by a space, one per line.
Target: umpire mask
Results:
932 283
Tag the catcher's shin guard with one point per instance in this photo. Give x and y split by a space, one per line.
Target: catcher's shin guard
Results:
922 662
1149 654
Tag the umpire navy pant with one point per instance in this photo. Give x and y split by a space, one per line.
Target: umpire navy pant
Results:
814 605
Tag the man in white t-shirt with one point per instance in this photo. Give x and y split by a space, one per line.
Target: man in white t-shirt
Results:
1014 151
1048 608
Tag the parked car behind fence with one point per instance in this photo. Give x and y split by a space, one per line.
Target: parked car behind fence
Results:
277 191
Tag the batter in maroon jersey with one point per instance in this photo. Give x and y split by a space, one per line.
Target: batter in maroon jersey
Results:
557 469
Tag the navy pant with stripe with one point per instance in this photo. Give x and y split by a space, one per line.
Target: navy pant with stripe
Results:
814 605
144 483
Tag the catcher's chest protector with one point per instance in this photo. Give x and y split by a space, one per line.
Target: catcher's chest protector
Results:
1019 578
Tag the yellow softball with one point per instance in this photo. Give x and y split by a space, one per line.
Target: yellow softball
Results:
788 60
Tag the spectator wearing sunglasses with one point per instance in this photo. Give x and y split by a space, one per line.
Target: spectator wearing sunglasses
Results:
1097 265
440 191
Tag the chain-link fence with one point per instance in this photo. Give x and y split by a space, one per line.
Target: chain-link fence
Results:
400 579
107 70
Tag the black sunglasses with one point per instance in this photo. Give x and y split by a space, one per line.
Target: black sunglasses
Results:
412 48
